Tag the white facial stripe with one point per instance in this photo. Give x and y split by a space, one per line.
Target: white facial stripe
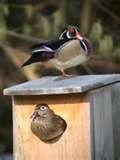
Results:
81 38
86 50
68 35
62 35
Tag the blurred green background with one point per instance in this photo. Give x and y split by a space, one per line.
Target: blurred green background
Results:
26 22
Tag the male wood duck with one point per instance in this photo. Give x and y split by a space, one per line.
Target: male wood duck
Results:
71 49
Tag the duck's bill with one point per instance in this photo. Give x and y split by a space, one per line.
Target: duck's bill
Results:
78 35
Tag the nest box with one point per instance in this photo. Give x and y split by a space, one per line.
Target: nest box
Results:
84 102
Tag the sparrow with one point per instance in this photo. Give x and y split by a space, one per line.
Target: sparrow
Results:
46 125
69 50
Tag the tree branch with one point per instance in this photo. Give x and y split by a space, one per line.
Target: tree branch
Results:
106 10
22 36
13 55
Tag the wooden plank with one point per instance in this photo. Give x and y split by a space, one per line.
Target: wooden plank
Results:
101 123
75 144
115 98
61 85
6 157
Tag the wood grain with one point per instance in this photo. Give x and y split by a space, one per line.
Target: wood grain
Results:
101 113
115 99
62 85
75 144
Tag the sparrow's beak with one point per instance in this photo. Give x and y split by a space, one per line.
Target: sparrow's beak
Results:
78 35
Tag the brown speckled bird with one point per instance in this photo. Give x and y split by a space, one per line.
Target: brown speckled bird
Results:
46 125
69 50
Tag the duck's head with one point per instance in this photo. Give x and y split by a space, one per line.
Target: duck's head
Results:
42 110
73 32
70 32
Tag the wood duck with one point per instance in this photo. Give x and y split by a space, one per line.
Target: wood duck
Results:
69 50
46 125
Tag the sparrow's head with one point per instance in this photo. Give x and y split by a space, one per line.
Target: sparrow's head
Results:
42 110
70 32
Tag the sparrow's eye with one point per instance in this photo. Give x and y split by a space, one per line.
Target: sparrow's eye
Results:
43 108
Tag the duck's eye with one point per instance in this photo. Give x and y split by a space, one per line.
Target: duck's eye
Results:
71 32
43 108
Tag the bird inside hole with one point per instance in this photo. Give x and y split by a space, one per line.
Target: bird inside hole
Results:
69 50
47 125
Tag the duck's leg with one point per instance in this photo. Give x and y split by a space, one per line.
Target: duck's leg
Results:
65 74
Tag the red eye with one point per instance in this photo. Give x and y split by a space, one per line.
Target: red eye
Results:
72 30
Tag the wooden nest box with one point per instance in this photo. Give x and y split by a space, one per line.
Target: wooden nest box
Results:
84 102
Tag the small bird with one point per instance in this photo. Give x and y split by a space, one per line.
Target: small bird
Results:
69 50
46 125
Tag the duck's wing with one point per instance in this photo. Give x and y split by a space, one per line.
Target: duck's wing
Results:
40 54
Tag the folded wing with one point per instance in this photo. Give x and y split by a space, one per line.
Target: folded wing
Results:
40 54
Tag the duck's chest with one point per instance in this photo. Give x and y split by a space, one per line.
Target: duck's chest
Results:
68 51
69 55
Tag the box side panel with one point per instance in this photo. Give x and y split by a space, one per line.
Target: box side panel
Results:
116 118
75 144
101 113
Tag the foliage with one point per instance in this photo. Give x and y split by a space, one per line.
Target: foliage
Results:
23 23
